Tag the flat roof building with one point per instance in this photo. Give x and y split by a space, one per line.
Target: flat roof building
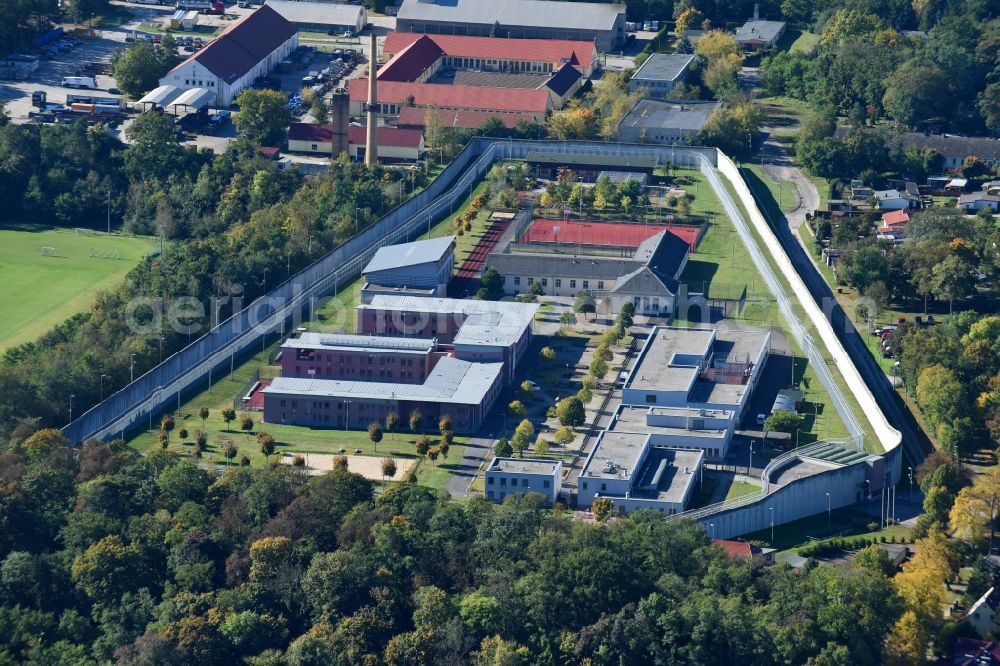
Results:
463 390
661 73
517 476
665 123
603 24
547 164
322 16
359 357
634 474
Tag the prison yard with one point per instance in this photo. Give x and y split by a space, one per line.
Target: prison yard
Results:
49 275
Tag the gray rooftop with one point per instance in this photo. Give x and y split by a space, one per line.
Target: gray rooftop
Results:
621 449
684 115
977 196
662 67
369 343
525 466
486 323
667 474
757 30
452 381
670 359
633 420
327 13
409 254
529 13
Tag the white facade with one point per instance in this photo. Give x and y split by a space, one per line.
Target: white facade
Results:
192 74
517 476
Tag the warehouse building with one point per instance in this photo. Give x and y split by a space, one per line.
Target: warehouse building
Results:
660 74
420 268
665 123
602 24
248 49
322 16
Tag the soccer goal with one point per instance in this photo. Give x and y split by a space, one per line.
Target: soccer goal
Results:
96 253
48 251
85 232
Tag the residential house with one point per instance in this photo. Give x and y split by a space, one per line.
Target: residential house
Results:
743 550
896 200
977 201
982 615
759 35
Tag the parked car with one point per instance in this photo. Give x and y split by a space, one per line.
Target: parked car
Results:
114 91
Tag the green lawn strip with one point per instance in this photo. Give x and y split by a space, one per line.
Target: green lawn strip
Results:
38 292
338 312
741 488
788 538
804 42
871 442
465 243
786 196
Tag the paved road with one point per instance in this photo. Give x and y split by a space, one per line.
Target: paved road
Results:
915 444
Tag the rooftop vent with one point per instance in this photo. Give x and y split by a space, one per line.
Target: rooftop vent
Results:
610 467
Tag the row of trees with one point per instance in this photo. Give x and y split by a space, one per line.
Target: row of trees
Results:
111 557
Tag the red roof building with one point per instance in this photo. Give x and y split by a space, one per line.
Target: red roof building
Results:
417 118
393 95
394 143
246 50
742 550
542 56
417 61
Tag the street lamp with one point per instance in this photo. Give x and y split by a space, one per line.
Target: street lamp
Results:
347 421
102 387
71 396
712 526
161 349
828 511
750 465
131 370
911 482
109 212
771 509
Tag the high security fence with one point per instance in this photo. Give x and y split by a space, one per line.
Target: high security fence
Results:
191 367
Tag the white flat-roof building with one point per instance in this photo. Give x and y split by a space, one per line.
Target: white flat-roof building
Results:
322 16
661 73
517 476
634 474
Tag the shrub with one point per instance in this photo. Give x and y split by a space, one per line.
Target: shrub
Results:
299 461
182 433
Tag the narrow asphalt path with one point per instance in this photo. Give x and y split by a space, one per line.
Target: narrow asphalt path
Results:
915 443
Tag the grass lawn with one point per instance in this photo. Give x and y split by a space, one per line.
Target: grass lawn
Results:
59 286
790 536
337 312
786 197
805 42
741 488
465 243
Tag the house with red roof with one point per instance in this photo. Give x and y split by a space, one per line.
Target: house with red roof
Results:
743 550
395 144
497 54
247 49
894 223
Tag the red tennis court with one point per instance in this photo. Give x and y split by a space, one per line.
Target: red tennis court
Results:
603 233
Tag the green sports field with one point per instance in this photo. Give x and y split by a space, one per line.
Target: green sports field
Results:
39 291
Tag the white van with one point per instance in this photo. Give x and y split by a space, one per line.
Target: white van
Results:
85 82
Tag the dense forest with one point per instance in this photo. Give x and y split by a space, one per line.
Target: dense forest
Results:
109 556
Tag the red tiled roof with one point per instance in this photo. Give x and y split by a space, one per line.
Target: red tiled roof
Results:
310 132
453 97
895 217
396 137
415 117
412 61
244 44
735 549
536 50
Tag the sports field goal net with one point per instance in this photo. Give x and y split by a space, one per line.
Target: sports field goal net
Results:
48 251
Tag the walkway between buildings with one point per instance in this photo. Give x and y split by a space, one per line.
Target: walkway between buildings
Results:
464 282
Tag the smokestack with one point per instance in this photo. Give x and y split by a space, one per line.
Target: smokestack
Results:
756 12
371 145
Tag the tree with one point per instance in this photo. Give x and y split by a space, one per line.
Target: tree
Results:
228 415
422 445
375 433
970 516
849 25
391 421
516 408
584 303
601 508
229 451
503 449
953 278
527 388
783 420
263 116
874 559
598 369
564 436
266 443
541 447
203 414
913 93
536 289
416 420
388 467
153 152
495 651
139 67
868 266
690 19
491 285
989 105
547 355
201 440
570 412
246 423
625 316
267 556
525 428
445 425
603 353
107 569
940 394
